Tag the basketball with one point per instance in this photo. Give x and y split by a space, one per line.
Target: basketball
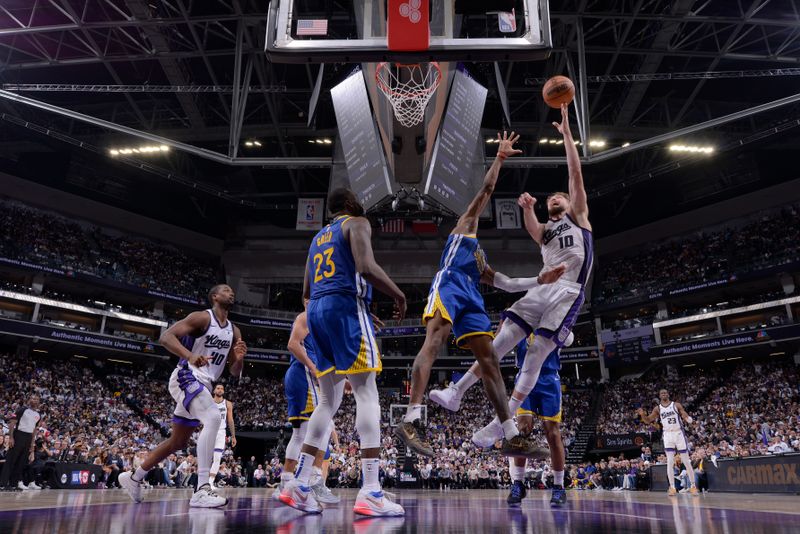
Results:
558 90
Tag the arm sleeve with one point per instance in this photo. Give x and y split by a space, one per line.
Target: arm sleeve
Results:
514 285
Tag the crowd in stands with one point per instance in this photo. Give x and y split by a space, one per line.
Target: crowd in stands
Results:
753 411
771 239
112 416
43 238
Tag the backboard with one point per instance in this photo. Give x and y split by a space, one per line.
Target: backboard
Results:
352 31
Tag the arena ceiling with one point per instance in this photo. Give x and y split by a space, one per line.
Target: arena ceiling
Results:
170 67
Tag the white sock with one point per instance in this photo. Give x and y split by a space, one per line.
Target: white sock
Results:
558 478
413 413
369 472
517 472
510 429
316 476
139 475
467 381
305 468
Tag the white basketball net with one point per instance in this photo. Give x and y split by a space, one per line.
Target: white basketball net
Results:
408 89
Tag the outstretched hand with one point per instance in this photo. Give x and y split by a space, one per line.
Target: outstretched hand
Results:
526 201
506 147
563 126
548 277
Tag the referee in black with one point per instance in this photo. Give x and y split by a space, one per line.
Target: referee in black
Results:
21 428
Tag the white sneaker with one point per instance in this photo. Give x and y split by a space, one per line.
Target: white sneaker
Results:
684 490
205 497
34 486
323 493
277 493
300 497
488 435
21 486
133 488
447 398
376 504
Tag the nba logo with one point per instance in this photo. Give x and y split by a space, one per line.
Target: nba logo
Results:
507 21
310 212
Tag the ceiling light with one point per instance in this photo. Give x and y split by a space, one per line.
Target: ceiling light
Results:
626 144
577 141
248 143
146 149
543 141
327 141
312 141
320 142
553 141
560 142
257 143
692 149
597 143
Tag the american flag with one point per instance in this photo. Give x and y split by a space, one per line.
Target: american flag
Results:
393 226
312 27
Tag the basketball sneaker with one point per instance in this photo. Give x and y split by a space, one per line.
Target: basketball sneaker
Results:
448 398
277 493
323 493
300 497
412 434
34 486
205 497
522 447
672 491
487 436
518 492
376 504
693 491
133 488
558 498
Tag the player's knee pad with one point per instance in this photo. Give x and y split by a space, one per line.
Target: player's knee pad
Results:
296 441
535 357
204 408
507 338
368 411
331 390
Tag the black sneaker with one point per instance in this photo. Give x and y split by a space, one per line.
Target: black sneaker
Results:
412 435
522 447
558 497
518 492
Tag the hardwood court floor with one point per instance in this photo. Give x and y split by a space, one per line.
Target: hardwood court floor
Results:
251 510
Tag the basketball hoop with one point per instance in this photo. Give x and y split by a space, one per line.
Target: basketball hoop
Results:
409 88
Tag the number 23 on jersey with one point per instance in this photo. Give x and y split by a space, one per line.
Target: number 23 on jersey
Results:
323 265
